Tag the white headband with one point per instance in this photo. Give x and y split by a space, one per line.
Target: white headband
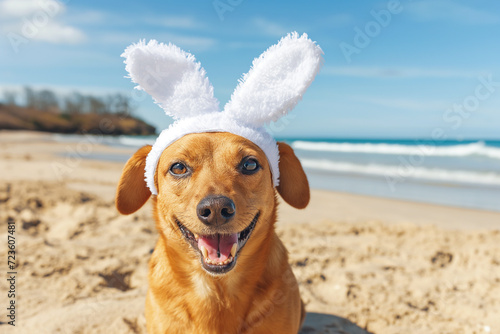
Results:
177 83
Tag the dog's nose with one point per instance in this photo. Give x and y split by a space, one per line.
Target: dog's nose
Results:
215 210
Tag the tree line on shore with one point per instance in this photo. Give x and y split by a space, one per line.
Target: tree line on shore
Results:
45 110
76 103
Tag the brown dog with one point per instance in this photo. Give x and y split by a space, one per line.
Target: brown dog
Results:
218 266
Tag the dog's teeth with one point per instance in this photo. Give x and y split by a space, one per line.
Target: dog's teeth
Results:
196 236
233 249
204 252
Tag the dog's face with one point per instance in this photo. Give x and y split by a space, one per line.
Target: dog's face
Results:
214 187
216 200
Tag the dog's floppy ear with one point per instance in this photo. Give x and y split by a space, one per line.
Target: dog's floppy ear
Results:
293 187
132 191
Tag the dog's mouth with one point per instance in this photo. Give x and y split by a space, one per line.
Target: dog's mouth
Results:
218 252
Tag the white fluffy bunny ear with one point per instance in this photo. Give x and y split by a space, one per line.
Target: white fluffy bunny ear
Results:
172 77
276 81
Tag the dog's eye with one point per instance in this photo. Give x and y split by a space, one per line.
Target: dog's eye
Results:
178 169
249 165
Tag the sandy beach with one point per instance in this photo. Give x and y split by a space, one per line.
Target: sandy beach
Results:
364 264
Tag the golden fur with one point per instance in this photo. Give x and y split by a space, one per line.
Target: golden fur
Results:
260 294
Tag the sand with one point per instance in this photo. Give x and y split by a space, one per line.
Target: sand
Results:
364 265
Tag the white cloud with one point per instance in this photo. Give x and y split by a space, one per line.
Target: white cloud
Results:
191 41
338 20
247 45
181 22
195 42
37 20
268 27
380 72
183 41
404 103
18 8
94 17
58 33
428 10
91 17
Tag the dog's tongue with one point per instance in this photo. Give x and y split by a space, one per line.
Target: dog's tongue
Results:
218 244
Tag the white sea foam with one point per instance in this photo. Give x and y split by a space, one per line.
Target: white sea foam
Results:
120 141
477 148
136 141
405 172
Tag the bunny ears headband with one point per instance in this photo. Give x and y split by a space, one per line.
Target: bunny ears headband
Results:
177 83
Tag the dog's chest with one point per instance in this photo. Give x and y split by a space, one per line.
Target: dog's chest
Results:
202 287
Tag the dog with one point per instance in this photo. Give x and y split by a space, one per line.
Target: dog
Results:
218 266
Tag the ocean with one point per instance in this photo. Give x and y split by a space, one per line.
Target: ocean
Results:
457 173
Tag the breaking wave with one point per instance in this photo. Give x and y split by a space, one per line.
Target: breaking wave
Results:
405 172
462 150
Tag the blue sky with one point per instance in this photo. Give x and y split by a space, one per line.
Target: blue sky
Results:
423 66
